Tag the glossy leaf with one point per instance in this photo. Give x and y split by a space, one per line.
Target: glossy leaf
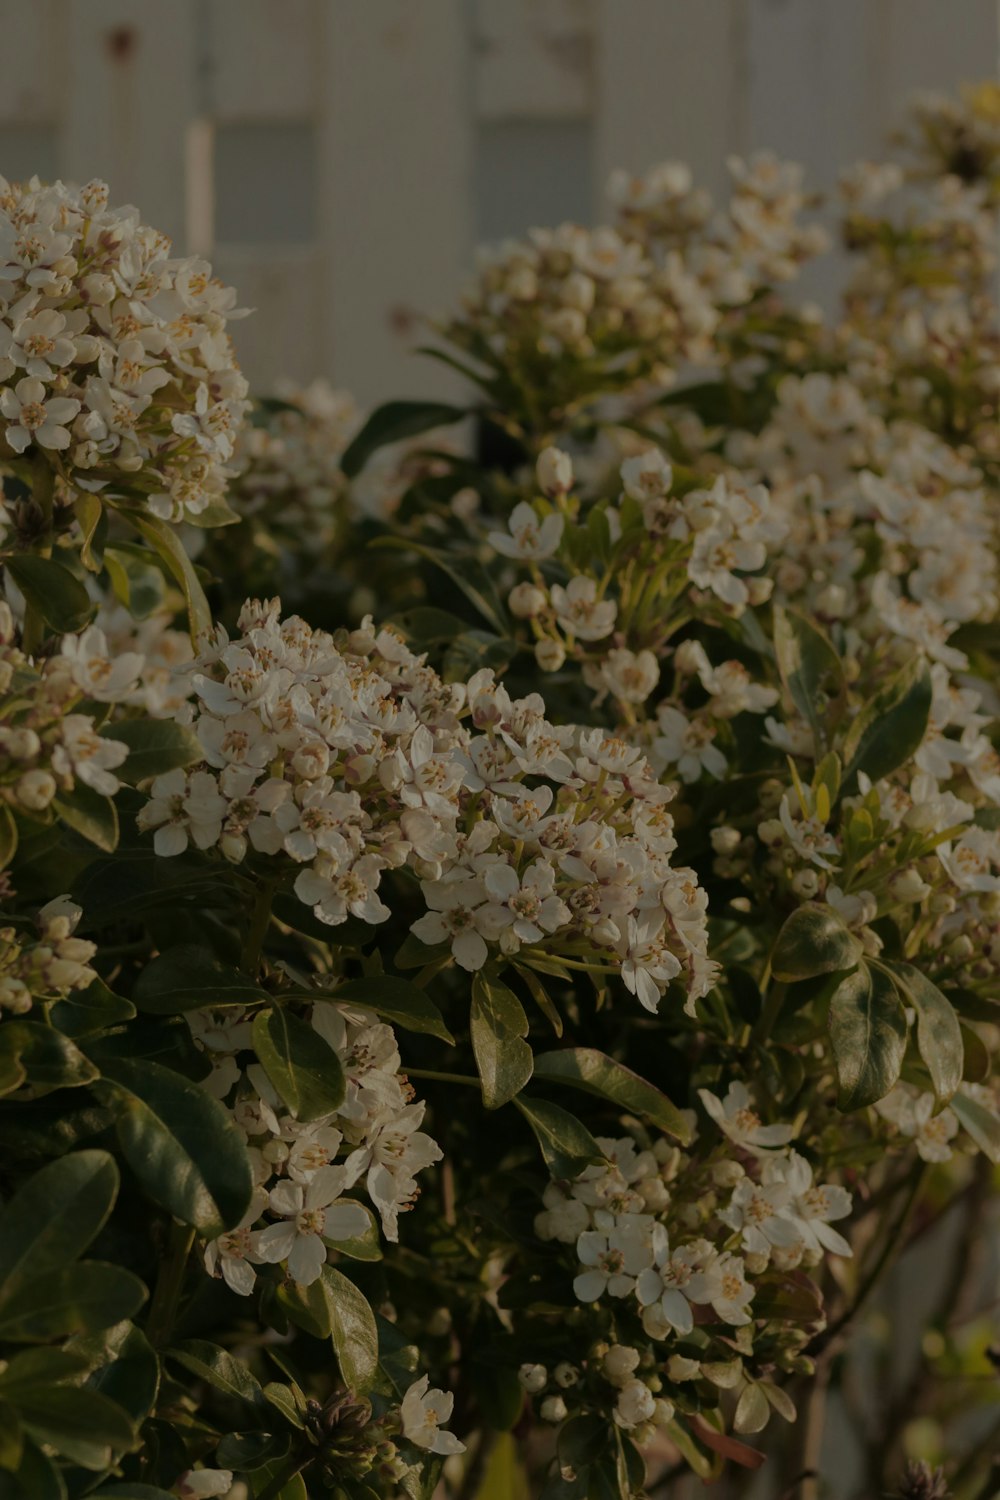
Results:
54 1217
82 1013
155 746
393 422
90 814
182 1144
52 590
39 1056
124 1367
137 581
79 1424
567 1145
813 941
981 1123
396 1000
302 1066
162 537
218 1368
810 669
498 1024
868 1034
586 1068
187 978
353 1330
73 1299
892 724
939 1033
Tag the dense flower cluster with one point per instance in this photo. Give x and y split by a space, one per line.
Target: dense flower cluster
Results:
114 359
351 760
47 966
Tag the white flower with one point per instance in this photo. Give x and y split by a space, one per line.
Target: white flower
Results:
310 1214
235 1253
736 1118
35 419
522 909
613 1256
648 476
86 755
687 743
104 675
183 806
913 1115
198 1484
423 1412
554 471
811 1207
529 539
636 1403
580 612
760 1213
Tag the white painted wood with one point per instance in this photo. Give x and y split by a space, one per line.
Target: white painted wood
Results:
396 176
130 100
534 59
263 58
285 333
31 72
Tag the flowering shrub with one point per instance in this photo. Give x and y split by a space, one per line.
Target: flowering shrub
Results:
486 1023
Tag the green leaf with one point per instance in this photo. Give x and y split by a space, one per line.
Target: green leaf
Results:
939 1033
219 1369
130 1489
392 423
182 1144
11 1439
892 724
811 670
53 591
90 814
92 521
73 1299
54 1216
82 1013
396 1000
43 1367
41 1057
163 538
124 1367
37 1476
497 1024
466 573
868 1034
263 1478
79 1424
813 941
590 1070
8 836
980 1122
302 1066
135 578
752 1410
191 978
155 746
567 1145
353 1330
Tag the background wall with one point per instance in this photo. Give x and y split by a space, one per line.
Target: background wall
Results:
340 160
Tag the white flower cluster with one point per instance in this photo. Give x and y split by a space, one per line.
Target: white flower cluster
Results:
351 760
47 967
114 357
47 745
303 1170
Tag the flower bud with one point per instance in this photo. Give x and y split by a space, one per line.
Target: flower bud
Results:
566 1375
805 884
619 1362
907 885
526 600
533 1378
635 1404
727 1173
35 790
550 654
725 840
553 1409
554 471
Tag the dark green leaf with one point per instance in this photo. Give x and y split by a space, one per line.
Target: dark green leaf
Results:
980 1122
84 1012
352 1326
135 578
813 941
939 1034
190 978
125 1368
130 1489
56 1214
43 1367
810 669
219 1369
163 538
81 1425
498 1024
892 724
466 573
154 747
301 1065
567 1145
37 1477
73 1299
182 1144
868 1034
396 1000
89 814
51 589
585 1068
11 1440
392 423
41 1057
8 836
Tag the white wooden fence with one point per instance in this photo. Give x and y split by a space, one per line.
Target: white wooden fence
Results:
339 159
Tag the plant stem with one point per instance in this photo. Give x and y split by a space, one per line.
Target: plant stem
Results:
472 1083
260 919
169 1282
